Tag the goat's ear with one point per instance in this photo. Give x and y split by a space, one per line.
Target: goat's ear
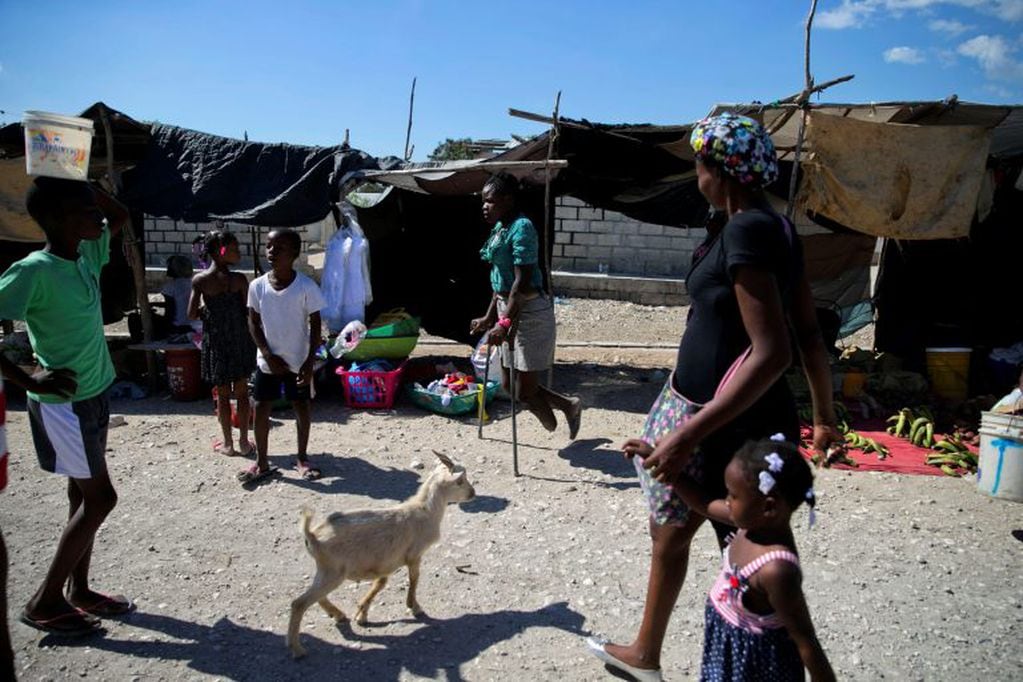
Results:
445 460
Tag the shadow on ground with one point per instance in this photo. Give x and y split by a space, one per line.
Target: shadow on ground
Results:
238 652
611 387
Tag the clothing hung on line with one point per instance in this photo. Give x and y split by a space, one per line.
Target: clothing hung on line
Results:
346 285
739 644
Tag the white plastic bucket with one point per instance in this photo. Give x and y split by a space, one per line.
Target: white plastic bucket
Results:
57 146
1000 470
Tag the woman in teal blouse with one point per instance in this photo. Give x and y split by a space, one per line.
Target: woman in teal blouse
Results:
520 312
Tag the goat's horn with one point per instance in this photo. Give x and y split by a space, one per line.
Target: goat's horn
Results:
445 460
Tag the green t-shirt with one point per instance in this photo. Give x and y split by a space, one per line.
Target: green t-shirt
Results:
517 244
59 300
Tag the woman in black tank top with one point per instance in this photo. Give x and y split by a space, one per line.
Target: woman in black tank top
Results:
747 288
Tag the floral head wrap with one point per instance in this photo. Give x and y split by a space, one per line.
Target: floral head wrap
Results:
739 145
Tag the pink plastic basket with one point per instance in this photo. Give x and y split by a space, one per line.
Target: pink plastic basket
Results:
370 389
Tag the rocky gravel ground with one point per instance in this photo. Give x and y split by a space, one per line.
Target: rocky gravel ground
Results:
908 577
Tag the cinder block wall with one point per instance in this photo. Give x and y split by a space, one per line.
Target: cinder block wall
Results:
587 241
167 237
592 240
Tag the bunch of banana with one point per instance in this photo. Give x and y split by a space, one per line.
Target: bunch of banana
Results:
917 426
805 413
954 457
855 440
835 455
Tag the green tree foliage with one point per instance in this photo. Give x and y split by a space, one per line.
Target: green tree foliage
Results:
453 150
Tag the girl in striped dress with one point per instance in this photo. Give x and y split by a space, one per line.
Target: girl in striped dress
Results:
757 624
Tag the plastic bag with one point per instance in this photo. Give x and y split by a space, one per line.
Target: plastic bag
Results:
479 360
345 282
349 337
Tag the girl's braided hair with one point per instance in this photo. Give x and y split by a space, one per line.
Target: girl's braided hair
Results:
793 482
214 240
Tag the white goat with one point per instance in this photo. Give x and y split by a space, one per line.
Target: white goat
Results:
366 544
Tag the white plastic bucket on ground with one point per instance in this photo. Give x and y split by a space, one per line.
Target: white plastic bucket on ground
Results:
57 146
1000 471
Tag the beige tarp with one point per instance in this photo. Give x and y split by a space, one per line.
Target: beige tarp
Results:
15 223
894 180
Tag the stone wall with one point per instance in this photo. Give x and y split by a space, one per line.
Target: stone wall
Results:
593 240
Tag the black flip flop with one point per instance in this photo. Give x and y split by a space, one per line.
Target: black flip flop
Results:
108 606
71 624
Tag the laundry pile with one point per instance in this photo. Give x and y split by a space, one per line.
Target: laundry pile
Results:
451 385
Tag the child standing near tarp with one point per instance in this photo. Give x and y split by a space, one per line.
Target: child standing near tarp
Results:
175 292
284 320
56 292
228 354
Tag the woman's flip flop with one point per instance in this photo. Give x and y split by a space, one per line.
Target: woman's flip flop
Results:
254 474
108 606
307 471
71 624
220 449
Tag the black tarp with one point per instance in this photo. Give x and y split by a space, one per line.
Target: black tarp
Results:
956 292
197 177
425 256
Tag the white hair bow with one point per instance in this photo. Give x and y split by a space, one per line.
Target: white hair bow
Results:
774 462
778 437
767 482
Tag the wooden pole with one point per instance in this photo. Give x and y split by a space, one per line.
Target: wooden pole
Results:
131 253
802 101
548 214
547 203
408 131
257 270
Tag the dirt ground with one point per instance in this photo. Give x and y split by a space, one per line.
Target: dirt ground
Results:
908 577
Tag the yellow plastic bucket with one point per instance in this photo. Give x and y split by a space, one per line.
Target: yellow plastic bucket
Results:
949 371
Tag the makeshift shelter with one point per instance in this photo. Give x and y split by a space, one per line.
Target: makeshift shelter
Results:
946 171
186 175
928 177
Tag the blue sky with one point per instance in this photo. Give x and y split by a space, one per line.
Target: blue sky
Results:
302 72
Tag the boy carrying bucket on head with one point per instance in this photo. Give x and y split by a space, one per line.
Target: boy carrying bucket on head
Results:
56 291
284 320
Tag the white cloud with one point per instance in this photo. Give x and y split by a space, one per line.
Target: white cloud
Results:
903 55
994 55
953 28
856 13
1009 10
999 91
851 14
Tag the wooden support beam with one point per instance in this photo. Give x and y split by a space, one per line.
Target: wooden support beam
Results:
482 165
131 253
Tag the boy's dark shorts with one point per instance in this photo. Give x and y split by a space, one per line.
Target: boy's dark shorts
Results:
267 387
71 438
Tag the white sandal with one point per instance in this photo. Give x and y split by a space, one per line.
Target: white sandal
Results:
595 646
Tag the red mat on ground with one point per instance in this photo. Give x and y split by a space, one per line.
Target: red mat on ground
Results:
903 457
